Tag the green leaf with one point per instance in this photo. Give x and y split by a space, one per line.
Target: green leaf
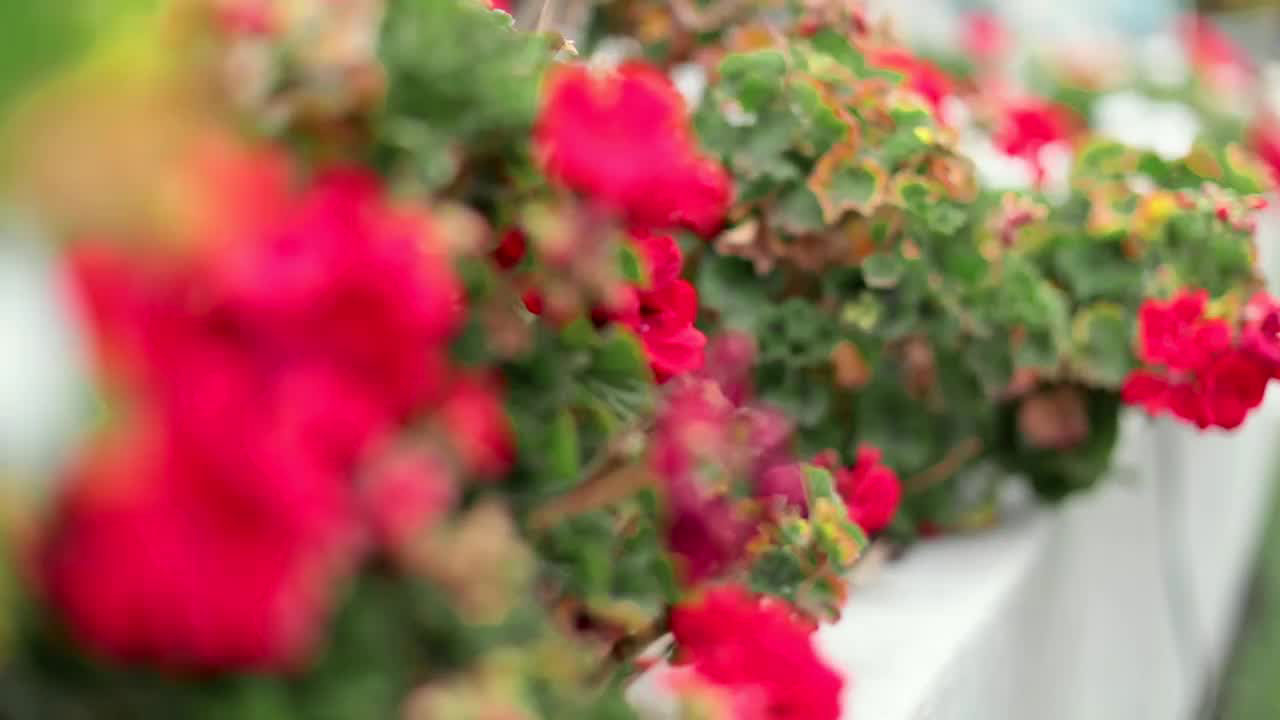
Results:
633 270
754 78
883 270
1102 344
563 451
458 74
798 212
843 182
837 46
731 287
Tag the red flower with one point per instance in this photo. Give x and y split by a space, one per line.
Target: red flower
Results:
622 139
511 249
503 5
869 488
263 360
154 557
919 75
1207 380
1261 332
758 646
1148 389
1028 126
1175 333
1232 386
662 315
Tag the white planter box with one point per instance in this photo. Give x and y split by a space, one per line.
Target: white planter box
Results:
1119 604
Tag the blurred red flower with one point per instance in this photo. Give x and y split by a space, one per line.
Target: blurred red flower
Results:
706 528
475 423
984 36
1027 126
406 490
919 75
1213 54
1261 332
260 361
756 645
1264 139
622 138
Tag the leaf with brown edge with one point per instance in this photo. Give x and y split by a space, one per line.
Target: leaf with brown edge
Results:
843 182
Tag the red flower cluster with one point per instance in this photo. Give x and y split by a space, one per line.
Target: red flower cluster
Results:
869 488
759 648
1030 125
663 312
919 75
622 138
1261 332
265 364
1198 372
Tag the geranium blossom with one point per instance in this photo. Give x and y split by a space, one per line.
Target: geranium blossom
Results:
869 488
622 139
706 528
1261 332
757 646
919 75
285 338
1198 372
1028 126
663 312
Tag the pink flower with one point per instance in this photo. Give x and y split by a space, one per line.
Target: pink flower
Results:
757 646
622 139
662 314
1264 139
704 699
406 491
1214 56
920 75
984 36
729 363
706 529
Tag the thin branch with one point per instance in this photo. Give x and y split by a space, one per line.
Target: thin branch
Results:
957 457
